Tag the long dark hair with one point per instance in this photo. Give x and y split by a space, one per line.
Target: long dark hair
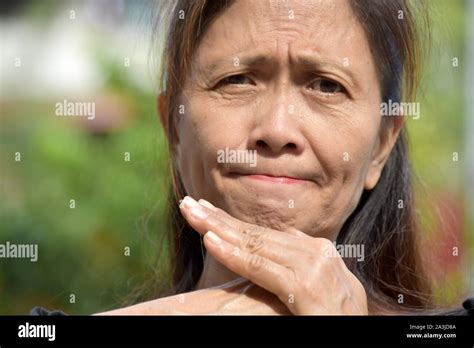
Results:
392 272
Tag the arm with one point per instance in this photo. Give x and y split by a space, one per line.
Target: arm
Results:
236 297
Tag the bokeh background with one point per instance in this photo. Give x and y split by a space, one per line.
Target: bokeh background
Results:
115 167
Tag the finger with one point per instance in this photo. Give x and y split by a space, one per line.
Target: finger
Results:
296 232
277 246
207 205
222 214
256 268
230 220
252 241
203 219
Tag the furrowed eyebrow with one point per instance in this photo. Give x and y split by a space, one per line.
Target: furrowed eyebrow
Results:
307 61
254 60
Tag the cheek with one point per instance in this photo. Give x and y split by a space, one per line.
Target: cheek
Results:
203 130
344 150
191 152
345 145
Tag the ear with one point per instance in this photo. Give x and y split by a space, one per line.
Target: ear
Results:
388 136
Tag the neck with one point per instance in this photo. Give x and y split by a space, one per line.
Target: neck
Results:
214 274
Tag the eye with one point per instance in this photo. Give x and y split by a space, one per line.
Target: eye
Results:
239 79
326 86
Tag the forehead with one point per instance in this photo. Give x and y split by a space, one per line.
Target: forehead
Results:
327 28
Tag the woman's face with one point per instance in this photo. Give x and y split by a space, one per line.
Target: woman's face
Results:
295 81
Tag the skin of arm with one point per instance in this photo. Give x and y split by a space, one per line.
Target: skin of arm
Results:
239 296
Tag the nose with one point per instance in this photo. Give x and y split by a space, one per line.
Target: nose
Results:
276 128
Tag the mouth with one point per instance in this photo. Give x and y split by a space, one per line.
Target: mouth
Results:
271 178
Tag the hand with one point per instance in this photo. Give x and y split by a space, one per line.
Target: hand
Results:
305 273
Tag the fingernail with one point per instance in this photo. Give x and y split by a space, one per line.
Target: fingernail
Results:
188 202
207 204
213 238
198 213
195 209
180 203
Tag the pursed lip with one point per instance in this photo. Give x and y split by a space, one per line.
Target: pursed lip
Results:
277 179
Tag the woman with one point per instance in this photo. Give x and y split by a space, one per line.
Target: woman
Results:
300 82
297 86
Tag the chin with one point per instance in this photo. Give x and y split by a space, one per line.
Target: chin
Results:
268 212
